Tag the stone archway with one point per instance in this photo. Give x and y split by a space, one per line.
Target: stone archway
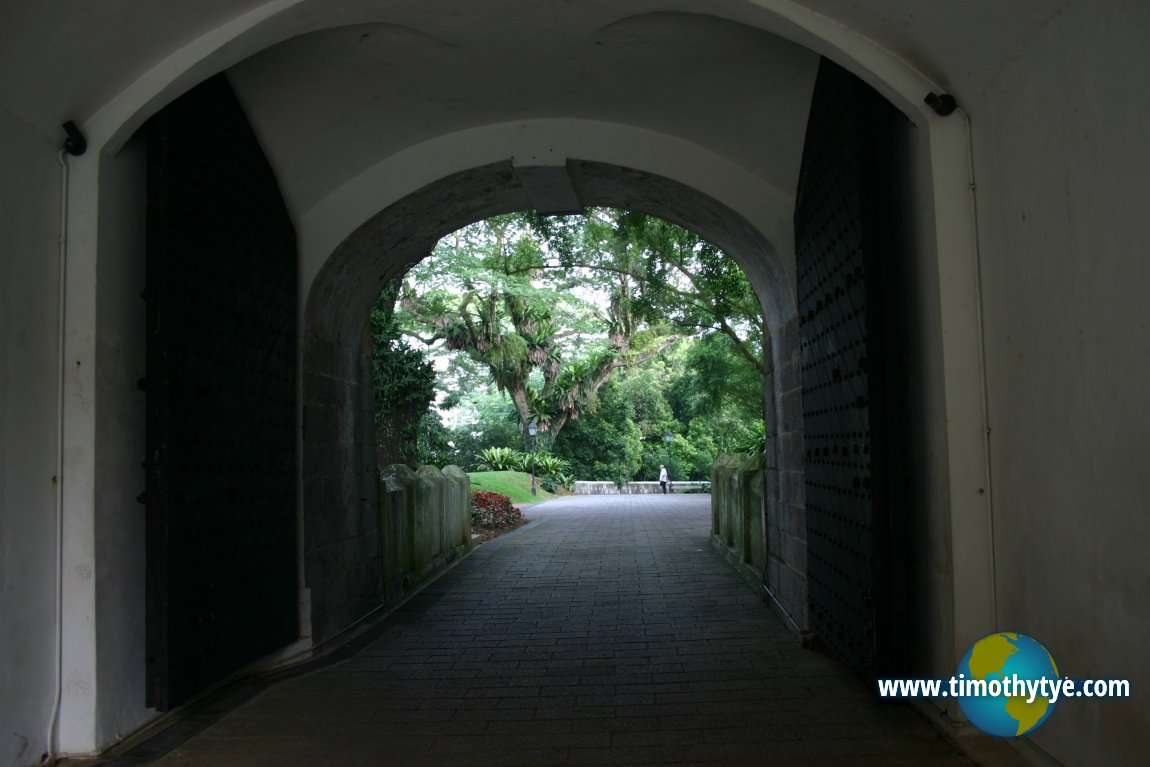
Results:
341 557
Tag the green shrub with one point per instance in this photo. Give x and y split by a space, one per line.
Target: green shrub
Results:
519 461
502 459
548 465
755 443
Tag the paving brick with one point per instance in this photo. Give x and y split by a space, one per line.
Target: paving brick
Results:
608 633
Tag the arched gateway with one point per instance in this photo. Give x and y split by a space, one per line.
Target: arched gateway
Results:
381 126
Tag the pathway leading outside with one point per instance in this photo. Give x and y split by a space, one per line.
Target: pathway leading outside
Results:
608 632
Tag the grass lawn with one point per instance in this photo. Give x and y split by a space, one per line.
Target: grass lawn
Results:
516 485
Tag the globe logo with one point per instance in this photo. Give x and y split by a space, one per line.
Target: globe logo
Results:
1009 664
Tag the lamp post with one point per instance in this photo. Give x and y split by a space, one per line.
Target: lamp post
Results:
668 437
533 429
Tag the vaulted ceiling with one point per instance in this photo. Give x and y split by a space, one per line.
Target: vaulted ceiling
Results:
334 86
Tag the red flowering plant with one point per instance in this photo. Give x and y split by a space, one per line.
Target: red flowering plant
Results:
494 511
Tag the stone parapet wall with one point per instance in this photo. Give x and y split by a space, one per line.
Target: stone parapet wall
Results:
424 522
583 487
737 513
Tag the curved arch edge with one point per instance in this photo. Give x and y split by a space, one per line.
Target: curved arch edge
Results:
543 142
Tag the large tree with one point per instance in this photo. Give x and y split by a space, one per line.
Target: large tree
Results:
679 279
551 309
549 337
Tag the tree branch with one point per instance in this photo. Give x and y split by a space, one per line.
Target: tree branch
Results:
427 341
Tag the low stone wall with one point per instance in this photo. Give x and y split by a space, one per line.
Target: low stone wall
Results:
424 523
737 513
632 488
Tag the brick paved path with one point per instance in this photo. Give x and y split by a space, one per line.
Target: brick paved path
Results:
608 633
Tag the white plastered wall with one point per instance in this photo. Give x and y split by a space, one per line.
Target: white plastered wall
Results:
1063 166
76 727
29 198
102 545
930 563
119 530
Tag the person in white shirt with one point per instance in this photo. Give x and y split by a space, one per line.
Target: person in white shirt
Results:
664 480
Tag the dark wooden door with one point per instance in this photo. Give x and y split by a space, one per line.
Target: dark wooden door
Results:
847 229
221 292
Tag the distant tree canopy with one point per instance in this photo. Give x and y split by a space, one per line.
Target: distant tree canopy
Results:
679 279
573 319
404 385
